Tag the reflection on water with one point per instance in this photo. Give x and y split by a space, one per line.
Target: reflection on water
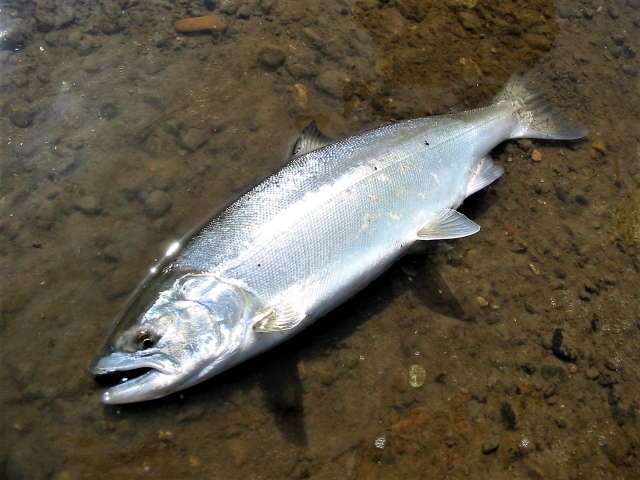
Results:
119 134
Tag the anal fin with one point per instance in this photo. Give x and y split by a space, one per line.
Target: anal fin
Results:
310 139
448 224
486 173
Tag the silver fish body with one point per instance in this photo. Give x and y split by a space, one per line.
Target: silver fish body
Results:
309 237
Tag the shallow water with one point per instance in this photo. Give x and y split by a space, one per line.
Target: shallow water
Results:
119 135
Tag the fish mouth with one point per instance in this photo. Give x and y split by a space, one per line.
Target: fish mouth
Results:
141 375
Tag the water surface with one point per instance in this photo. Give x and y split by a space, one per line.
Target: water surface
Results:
118 135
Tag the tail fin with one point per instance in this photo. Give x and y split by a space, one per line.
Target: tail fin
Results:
538 119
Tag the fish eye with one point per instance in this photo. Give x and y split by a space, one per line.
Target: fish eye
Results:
144 339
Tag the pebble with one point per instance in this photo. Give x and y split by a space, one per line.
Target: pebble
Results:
300 95
272 57
508 415
213 23
401 379
552 400
536 155
561 347
157 203
22 115
549 391
611 365
600 147
469 21
65 14
229 7
565 11
417 376
491 445
88 204
165 435
190 414
192 139
244 12
592 373
332 82
108 110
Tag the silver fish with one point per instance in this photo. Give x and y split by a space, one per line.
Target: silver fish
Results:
310 236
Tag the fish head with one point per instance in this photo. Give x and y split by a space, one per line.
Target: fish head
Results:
179 329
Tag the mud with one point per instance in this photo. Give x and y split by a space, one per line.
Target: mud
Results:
119 135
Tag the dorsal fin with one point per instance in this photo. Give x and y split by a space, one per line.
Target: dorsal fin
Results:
310 139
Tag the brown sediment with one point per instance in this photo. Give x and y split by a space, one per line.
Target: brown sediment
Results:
213 23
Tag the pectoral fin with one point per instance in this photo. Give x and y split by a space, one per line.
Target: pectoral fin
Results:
448 224
280 319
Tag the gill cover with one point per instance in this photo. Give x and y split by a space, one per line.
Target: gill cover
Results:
179 326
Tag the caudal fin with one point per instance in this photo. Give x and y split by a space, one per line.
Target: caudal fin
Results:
538 118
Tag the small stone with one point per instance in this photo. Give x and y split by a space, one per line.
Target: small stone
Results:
572 368
564 12
581 200
508 415
22 115
157 203
529 368
549 391
244 12
300 95
592 373
45 20
332 82
536 155
469 21
108 110
192 139
164 435
272 57
213 23
190 414
605 379
552 400
561 423
584 296
611 364
65 14
482 302
535 41
229 7
560 273
88 204
491 445
91 65
401 379
560 348
417 376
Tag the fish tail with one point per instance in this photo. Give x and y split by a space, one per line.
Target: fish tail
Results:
537 117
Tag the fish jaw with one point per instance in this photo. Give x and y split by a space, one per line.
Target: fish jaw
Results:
165 371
